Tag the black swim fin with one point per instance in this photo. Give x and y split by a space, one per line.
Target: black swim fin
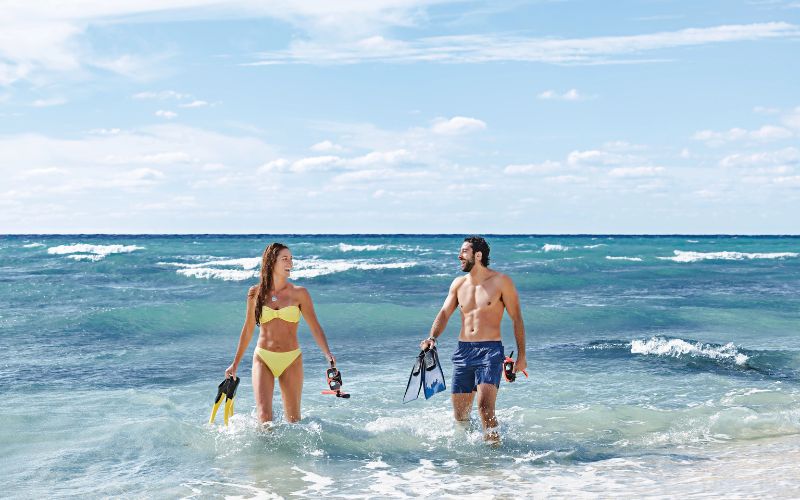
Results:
415 379
433 376
226 391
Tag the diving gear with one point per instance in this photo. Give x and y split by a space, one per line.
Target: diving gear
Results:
334 377
426 373
508 369
225 392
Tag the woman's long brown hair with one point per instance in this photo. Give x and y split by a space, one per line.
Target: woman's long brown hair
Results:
265 281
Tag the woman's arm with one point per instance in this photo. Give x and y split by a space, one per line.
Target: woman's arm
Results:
247 333
307 308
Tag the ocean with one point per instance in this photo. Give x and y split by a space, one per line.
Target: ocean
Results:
659 366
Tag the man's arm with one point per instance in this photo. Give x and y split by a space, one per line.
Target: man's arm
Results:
511 300
439 324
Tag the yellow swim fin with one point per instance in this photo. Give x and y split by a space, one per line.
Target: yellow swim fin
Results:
225 393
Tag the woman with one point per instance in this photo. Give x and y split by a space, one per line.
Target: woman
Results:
275 306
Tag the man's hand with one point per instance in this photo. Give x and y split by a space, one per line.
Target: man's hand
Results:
427 343
521 364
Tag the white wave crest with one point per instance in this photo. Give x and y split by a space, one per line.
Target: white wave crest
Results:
595 246
85 251
344 247
632 259
222 274
677 347
247 268
316 267
554 248
681 256
33 245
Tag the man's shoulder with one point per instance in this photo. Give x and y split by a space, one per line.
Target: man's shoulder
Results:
458 282
502 279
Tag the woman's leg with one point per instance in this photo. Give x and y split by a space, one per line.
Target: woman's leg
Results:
291 382
263 388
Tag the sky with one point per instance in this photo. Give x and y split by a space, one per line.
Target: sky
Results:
400 116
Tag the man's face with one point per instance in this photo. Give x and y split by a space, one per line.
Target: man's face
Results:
467 257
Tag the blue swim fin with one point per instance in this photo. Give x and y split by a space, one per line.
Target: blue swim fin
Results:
415 380
433 376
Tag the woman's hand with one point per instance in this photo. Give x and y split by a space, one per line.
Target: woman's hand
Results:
330 358
230 372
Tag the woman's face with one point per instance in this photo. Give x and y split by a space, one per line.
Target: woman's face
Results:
283 264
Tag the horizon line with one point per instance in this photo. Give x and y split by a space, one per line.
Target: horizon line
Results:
624 235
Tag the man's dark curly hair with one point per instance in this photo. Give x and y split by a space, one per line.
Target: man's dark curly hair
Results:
479 245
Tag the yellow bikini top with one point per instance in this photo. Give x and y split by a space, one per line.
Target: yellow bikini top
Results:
288 313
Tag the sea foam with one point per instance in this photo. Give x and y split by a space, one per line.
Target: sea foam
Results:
344 247
682 256
247 268
85 251
554 248
659 346
632 259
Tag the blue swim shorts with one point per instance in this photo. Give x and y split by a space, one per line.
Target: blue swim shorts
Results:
477 363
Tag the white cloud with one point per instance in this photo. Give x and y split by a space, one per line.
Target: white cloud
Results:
569 95
162 95
105 131
567 179
457 125
38 41
770 133
316 163
635 172
764 110
786 156
169 115
194 104
764 134
532 168
278 165
129 158
46 103
792 119
326 146
381 174
487 48
594 157
332 162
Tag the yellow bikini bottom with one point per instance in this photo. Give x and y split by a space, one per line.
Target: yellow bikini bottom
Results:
277 362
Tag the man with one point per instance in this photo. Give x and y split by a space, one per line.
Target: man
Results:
482 295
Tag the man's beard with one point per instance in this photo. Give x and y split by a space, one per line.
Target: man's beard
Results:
468 265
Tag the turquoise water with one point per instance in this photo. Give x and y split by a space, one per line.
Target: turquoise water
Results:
658 365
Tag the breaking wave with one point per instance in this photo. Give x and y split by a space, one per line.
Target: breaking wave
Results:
85 251
247 268
660 346
682 256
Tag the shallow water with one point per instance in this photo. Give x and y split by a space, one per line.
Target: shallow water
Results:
659 366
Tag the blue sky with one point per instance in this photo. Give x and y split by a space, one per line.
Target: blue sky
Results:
388 116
